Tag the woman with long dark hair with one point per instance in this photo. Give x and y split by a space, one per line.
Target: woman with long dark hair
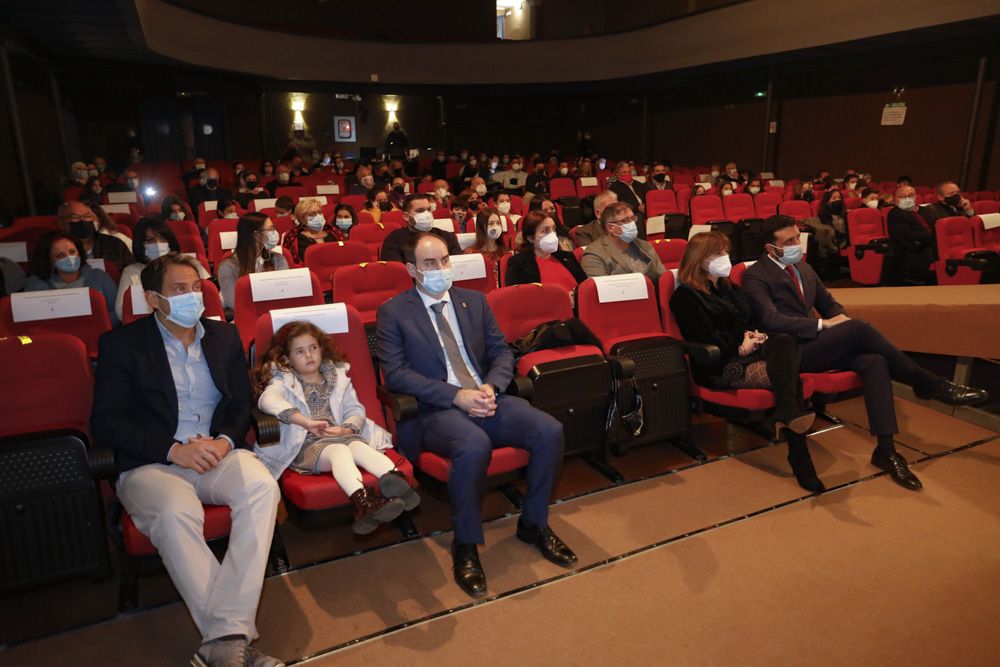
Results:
256 250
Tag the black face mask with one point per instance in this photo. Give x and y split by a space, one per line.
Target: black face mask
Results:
385 206
397 172
953 200
399 189
81 229
212 183
660 178
837 206
252 184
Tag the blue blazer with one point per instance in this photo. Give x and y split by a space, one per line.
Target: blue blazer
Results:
412 359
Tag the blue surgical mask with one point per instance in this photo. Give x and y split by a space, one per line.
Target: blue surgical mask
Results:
791 255
155 250
177 215
185 309
344 223
436 282
68 264
630 231
271 238
315 222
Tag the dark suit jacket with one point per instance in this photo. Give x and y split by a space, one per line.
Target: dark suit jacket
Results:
412 358
135 399
776 302
395 242
916 241
523 269
938 210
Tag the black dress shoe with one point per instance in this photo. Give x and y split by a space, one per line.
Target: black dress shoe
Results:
554 549
898 469
802 465
950 393
467 569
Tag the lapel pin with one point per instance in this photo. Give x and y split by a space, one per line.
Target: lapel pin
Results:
464 305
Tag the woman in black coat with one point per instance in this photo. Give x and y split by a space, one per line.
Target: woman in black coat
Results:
539 259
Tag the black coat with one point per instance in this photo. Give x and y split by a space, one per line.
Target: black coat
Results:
523 269
719 317
915 240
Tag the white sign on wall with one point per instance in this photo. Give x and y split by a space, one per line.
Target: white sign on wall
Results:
894 113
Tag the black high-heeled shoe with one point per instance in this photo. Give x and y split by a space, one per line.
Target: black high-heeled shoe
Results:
802 465
798 424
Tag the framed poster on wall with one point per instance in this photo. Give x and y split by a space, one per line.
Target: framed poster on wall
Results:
344 129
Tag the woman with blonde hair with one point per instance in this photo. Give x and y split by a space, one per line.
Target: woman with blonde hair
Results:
710 309
311 227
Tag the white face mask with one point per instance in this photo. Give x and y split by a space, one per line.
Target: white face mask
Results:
871 203
726 193
177 215
720 267
423 221
906 203
494 231
563 171
549 243
481 190
283 177
441 193
155 250
231 216
516 166
504 207
715 173
753 189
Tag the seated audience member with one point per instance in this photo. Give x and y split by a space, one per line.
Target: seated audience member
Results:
503 207
173 208
489 241
904 181
152 239
726 187
870 198
78 175
585 168
619 250
283 206
589 232
283 179
710 309
478 187
950 203
250 189
629 192
851 185
439 166
419 219
803 190
196 172
537 182
302 380
378 203
338 165
58 263
460 212
173 455
105 224
79 221
227 209
267 169
563 171
256 250
93 192
784 291
397 194
473 168
364 181
297 168
697 190
311 227
344 219
886 199
914 236
549 208
830 230
463 411
11 277
754 186
660 179
209 189
539 258
512 180
442 195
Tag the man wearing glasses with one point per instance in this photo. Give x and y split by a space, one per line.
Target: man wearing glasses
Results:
80 222
419 218
619 250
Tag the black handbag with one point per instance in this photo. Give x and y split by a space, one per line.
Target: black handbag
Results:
553 334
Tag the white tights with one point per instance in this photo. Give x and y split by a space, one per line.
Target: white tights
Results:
343 461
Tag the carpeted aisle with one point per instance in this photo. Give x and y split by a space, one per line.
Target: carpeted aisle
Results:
864 575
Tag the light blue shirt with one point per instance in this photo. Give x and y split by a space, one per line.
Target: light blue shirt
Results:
449 314
197 395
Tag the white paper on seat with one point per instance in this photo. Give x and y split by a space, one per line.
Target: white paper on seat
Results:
327 189
217 318
705 185
50 304
138 296
406 187
698 229
990 220
804 242
641 179
228 240
588 181
318 198
704 178
776 183
503 222
258 204
445 224
15 252
677 273
466 240
467 267
656 224
211 205
122 198
749 263
625 287
274 285
330 317
766 175
116 208
97 264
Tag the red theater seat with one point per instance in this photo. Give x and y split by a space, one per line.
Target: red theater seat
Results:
323 259
88 328
247 311
368 285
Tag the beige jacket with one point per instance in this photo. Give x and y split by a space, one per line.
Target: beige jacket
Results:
604 258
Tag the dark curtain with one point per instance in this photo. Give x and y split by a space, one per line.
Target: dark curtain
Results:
211 130
160 129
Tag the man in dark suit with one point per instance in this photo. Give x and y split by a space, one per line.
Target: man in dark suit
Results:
950 204
172 398
784 291
914 236
442 345
419 218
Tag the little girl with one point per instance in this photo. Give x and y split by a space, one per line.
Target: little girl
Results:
302 380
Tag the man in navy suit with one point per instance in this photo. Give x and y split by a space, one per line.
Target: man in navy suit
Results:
442 344
172 398
784 291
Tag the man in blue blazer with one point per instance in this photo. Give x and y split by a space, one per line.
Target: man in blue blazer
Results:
442 344
172 398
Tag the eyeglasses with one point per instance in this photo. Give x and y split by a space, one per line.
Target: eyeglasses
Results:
623 221
89 217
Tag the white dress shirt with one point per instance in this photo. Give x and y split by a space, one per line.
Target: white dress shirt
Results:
449 314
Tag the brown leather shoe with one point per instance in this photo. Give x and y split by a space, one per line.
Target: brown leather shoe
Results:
371 509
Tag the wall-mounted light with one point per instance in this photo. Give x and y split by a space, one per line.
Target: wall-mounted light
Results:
391 104
298 104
